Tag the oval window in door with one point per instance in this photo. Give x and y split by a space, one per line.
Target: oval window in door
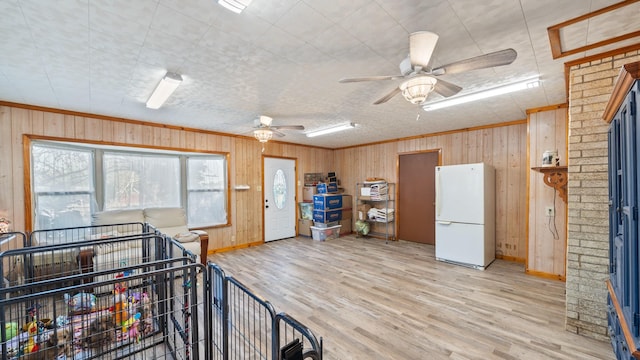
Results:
279 189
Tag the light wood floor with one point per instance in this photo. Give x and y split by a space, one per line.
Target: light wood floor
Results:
371 300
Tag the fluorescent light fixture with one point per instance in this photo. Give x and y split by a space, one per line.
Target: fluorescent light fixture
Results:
500 90
332 129
235 5
165 88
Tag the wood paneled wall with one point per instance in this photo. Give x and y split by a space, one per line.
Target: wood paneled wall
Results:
245 161
504 147
546 252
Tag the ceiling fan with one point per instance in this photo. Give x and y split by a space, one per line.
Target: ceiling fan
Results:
420 78
264 131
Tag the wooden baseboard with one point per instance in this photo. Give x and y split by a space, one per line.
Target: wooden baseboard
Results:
545 275
236 247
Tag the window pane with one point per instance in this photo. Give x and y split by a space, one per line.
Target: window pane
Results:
141 181
206 208
63 187
279 189
206 173
61 211
207 181
56 169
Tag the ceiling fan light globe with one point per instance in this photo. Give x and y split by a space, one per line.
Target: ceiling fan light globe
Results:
263 135
416 89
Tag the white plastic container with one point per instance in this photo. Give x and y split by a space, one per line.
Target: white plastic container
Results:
328 233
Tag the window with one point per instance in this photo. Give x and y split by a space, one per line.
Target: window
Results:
63 186
72 181
207 181
140 180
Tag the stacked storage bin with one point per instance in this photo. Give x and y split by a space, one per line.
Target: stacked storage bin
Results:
327 212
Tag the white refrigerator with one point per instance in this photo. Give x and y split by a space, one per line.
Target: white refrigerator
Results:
465 214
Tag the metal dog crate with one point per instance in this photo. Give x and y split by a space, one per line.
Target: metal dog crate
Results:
146 309
125 291
245 326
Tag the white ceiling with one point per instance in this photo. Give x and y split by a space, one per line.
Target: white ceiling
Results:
283 58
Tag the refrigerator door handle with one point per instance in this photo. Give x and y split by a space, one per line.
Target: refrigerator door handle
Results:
438 194
444 222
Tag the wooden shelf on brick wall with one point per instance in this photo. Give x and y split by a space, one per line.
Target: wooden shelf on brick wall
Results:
556 177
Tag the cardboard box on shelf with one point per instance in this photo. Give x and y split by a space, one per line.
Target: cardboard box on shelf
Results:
347 201
345 226
327 201
304 227
308 192
312 179
327 216
327 188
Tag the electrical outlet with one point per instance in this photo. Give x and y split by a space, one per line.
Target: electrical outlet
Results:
549 211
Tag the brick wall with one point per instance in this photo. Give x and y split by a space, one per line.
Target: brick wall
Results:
590 87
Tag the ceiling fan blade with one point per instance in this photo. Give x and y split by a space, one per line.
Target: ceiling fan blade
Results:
388 97
288 127
370 78
446 89
498 58
421 46
276 132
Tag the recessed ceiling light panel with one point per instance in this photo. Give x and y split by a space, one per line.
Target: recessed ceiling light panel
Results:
237 6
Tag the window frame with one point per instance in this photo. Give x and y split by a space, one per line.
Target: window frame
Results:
98 147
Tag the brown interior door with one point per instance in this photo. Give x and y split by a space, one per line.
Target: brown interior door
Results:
417 197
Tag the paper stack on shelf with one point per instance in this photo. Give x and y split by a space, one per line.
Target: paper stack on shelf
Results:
379 191
381 215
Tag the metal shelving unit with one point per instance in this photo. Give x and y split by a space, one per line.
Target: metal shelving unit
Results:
383 226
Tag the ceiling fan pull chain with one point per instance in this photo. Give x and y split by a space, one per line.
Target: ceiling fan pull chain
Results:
418 117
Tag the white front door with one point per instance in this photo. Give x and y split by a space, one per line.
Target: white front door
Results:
279 198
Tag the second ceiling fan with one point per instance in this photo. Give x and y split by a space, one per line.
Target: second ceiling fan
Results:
264 123
420 78
264 131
